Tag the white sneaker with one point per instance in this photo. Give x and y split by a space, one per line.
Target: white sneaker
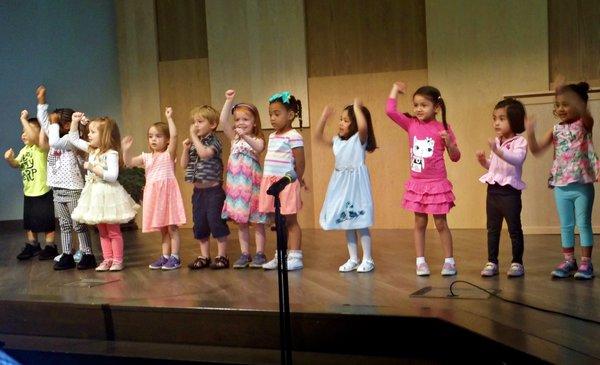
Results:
350 265
449 269
271 265
366 266
423 269
57 258
294 260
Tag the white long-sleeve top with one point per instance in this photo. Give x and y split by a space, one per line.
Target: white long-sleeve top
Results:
109 160
64 165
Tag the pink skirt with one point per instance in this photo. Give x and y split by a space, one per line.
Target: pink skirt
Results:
428 196
162 205
291 203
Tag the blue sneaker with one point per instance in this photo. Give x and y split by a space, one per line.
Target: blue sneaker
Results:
585 271
172 263
565 269
158 264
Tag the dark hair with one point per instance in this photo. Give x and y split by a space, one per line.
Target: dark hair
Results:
515 111
371 142
433 94
64 117
581 89
292 104
35 122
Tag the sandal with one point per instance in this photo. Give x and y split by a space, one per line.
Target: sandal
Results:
200 263
221 262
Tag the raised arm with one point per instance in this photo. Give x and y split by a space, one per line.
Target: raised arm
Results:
320 137
225 113
185 155
361 121
536 147
128 159
43 140
203 151
74 132
392 105
42 108
172 132
27 129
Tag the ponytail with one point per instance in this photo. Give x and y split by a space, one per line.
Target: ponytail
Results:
442 105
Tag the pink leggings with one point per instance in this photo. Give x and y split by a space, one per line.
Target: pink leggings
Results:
111 241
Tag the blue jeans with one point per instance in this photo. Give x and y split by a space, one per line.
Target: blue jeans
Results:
574 204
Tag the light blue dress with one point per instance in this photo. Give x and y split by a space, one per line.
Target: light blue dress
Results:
348 202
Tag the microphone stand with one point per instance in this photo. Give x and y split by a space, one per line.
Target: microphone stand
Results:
282 280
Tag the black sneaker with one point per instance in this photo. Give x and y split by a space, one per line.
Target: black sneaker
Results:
66 262
29 251
48 253
88 261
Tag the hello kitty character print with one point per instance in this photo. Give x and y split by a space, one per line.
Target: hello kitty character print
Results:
421 150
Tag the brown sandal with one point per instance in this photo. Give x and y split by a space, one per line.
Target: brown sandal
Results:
221 262
200 263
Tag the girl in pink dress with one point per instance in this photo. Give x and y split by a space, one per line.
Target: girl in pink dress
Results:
162 203
428 190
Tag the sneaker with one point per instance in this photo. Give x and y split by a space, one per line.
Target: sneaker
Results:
116 266
29 251
66 262
366 266
57 257
585 271
258 260
294 261
516 270
243 261
87 261
272 265
565 269
78 255
350 265
173 263
104 265
448 269
490 269
158 264
49 252
423 269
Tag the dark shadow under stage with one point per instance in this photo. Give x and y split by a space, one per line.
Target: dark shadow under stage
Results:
230 316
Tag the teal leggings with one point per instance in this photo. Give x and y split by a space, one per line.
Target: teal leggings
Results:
574 204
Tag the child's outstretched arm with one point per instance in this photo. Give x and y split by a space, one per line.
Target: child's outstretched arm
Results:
203 151
29 132
483 161
536 147
361 121
225 113
42 108
392 104
172 132
74 132
185 155
320 137
9 156
128 159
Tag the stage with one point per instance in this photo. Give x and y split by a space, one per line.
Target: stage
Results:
230 316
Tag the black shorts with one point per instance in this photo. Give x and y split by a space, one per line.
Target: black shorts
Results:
38 213
207 205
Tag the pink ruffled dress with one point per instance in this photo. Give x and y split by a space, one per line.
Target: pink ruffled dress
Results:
428 190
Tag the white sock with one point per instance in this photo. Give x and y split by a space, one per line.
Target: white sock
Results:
351 240
449 260
420 260
166 256
365 241
175 255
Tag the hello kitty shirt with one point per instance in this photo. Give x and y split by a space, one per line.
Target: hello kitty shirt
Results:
428 189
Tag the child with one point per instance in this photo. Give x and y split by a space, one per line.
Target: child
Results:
504 184
428 190
574 170
38 206
348 204
285 153
103 201
66 180
201 159
244 175
163 207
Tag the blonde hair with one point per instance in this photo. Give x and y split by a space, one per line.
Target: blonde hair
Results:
110 137
207 112
161 127
249 108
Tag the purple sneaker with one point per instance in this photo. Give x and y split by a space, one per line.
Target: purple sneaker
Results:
172 263
158 264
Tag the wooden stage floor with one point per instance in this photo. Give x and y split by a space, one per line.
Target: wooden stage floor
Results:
320 289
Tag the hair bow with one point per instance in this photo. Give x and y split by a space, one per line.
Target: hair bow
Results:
284 96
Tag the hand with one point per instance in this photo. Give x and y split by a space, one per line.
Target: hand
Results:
77 117
446 138
358 102
187 143
87 165
400 86
84 120
240 132
24 115
40 93
493 145
481 157
530 123
126 143
9 155
229 94
327 112
169 112
193 129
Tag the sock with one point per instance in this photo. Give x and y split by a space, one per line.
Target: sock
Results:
352 249
175 255
365 241
420 260
165 256
583 259
449 260
569 254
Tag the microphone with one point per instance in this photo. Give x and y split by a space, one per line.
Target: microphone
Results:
280 184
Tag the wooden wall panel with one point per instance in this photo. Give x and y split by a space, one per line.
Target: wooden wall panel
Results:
364 36
389 164
502 47
181 26
258 48
574 39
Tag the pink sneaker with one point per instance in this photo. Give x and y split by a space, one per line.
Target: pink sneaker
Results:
448 269
423 269
104 265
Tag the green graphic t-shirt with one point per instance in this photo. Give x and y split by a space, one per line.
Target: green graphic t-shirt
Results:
32 161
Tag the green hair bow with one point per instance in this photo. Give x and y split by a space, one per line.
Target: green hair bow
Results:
284 96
